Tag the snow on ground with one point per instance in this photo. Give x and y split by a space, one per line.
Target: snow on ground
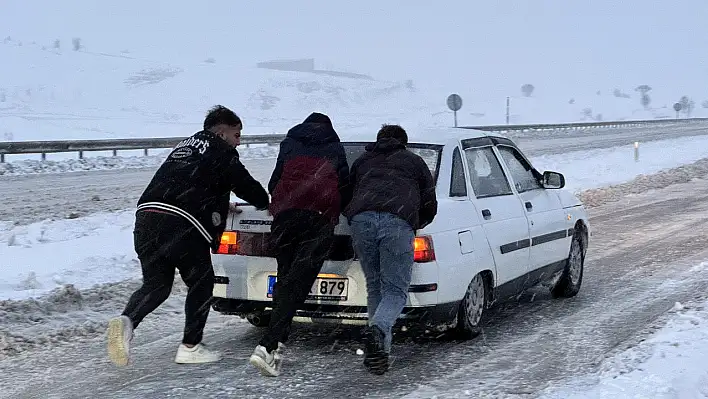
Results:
40 257
672 363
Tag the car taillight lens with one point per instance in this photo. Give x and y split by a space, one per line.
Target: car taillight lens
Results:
228 244
423 249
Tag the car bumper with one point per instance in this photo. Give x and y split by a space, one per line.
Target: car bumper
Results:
433 314
243 280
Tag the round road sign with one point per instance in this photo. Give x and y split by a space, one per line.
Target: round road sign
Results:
454 102
677 107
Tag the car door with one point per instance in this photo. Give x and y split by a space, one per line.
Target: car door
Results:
548 224
460 245
502 215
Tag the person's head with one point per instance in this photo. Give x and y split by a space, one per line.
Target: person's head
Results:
392 132
224 123
317 117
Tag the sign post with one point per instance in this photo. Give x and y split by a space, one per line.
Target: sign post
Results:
507 110
677 108
454 102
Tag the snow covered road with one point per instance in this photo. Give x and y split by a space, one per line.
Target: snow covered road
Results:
641 261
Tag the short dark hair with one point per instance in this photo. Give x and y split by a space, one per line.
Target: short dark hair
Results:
393 132
220 115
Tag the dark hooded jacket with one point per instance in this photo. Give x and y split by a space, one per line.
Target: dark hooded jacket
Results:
195 180
389 178
311 172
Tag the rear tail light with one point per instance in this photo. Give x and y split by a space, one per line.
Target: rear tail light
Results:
228 244
423 249
258 244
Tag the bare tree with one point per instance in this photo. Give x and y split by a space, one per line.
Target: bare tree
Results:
645 100
77 43
687 105
619 94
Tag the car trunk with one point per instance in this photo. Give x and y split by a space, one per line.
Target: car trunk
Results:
252 229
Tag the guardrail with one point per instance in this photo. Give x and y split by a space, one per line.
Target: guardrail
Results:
80 146
584 125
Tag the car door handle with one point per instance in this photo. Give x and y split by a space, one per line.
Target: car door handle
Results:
486 213
529 205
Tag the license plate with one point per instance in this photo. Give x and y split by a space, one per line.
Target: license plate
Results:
324 289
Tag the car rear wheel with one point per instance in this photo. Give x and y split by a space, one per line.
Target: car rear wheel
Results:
472 308
261 319
569 283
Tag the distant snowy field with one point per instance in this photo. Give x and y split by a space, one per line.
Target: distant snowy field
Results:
50 94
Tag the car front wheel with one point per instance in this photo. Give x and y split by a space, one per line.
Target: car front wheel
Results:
569 283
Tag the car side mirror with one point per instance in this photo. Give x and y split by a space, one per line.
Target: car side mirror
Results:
553 180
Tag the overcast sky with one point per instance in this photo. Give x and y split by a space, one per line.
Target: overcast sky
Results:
586 43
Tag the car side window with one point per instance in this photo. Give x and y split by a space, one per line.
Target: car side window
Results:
458 186
521 170
486 174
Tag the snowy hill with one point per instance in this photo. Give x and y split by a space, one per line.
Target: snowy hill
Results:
90 70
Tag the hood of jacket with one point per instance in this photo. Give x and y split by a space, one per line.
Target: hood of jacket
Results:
385 145
315 129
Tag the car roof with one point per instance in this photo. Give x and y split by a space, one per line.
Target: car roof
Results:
443 135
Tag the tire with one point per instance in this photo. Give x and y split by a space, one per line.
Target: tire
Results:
472 312
259 319
568 284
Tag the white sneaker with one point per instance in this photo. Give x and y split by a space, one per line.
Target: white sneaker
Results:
120 333
268 363
199 353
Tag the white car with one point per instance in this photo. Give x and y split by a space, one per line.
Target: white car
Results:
501 228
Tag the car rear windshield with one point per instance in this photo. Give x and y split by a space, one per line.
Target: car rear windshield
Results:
429 152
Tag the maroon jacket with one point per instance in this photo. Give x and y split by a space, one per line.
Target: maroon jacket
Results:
311 172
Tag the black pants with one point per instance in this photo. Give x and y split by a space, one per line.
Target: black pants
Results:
301 241
165 242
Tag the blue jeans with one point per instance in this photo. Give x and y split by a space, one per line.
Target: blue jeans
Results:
384 245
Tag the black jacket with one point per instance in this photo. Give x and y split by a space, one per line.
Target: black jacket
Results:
311 172
195 182
389 178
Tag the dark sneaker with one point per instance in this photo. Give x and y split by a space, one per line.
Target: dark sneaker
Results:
375 357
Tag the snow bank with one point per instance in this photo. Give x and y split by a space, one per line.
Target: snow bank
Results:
591 169
86 251
673 363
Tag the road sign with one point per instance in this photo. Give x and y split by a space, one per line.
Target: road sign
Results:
454 102
677 108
